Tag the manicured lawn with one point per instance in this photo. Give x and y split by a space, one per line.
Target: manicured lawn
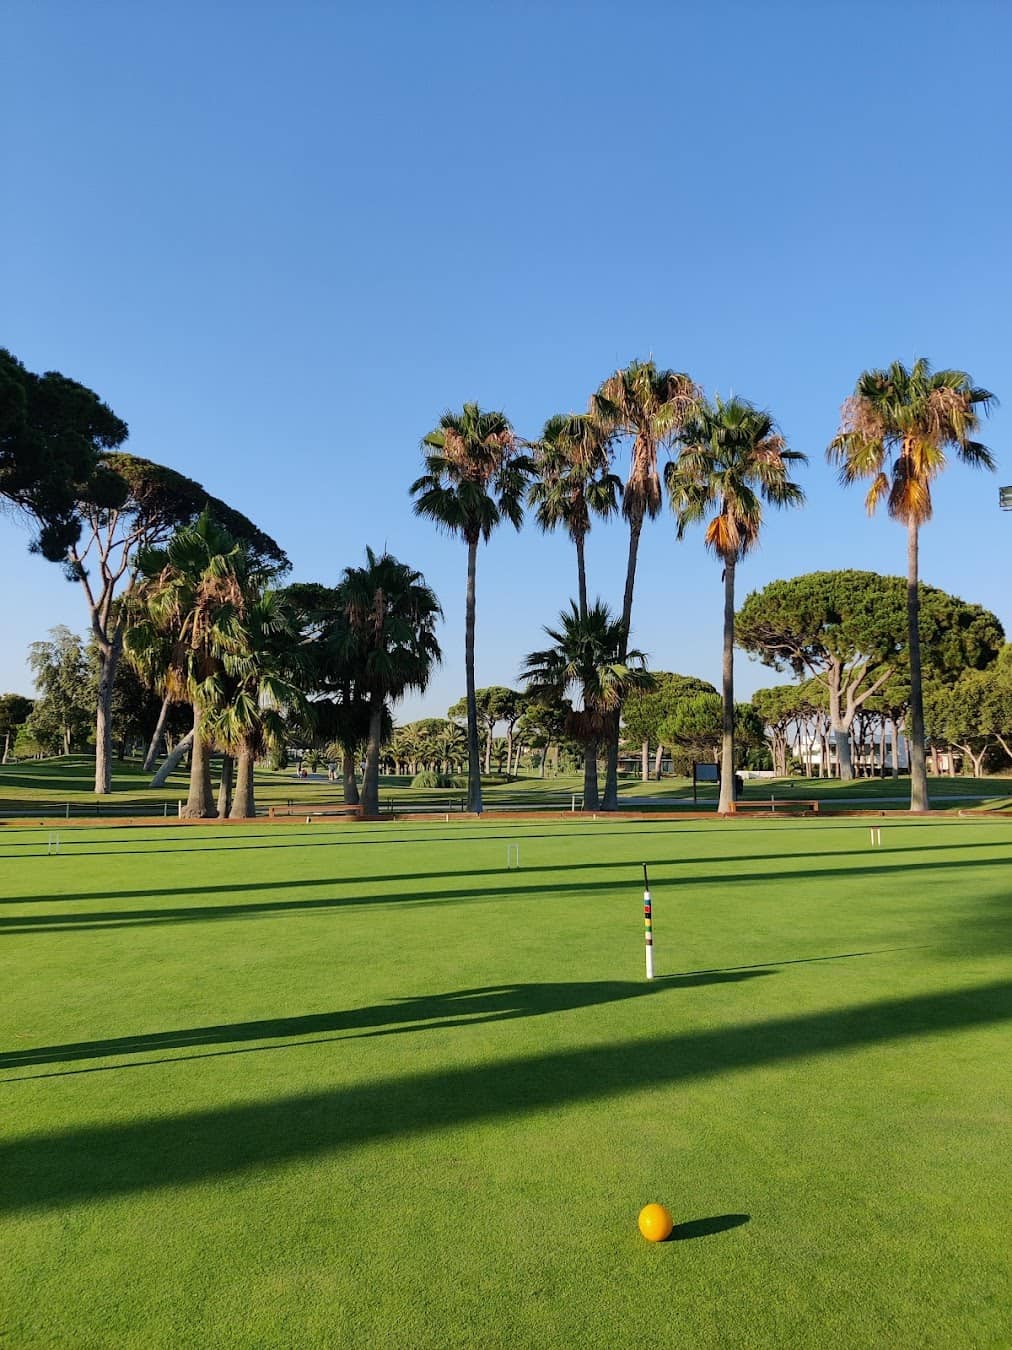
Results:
360 1086
889 794
47 785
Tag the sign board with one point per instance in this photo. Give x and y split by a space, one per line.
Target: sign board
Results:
704 773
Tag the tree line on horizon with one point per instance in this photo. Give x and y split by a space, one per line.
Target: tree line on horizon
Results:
188 595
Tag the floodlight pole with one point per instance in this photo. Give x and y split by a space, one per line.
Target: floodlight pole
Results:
1005 498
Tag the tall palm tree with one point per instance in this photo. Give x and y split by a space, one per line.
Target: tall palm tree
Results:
896 429
392 644
647 406
732 460
190 601
588 653
572 460
476 475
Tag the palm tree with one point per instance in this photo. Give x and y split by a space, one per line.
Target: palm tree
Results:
340 712
649 406
260 689
392 644
732 460
190 601
572 460
450 745
895 429
587 653
475 477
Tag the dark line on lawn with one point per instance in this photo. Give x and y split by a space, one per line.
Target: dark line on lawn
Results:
491 1003
465 873
194 844
139 918
76 1165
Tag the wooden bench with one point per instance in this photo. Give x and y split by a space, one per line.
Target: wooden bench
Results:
774 804
307 809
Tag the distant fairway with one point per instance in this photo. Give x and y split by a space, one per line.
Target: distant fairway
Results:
360 1086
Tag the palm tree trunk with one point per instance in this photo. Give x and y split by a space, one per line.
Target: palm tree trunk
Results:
244 805
350 780
658 757
610 800
894 746
581 573
474 803
726 800
156 736
591 800
225 786
200 804
370 779
918 767
172 761
108 662
635 527
645 762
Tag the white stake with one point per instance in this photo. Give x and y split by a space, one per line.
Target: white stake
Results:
648 924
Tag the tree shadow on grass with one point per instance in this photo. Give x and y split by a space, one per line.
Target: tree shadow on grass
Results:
521 890
622 868
196 840
377 835
92 1162
461 1007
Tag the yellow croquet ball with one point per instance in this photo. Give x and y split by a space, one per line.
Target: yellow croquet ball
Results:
655 1223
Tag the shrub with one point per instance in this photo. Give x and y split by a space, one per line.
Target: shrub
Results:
428 778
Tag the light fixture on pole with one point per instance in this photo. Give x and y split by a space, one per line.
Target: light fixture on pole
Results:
1005 498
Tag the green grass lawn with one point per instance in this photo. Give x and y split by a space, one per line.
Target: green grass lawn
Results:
358 1085
47 785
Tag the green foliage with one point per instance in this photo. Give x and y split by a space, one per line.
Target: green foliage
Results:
645 709
696 727
158 500
391 644
897 427
430 778
852 620
392 614
732 459
52 435
495 703
587 655
647 407
475 474
573 483
62 715
14 708
975 713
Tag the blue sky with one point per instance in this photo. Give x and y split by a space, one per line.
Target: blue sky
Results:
281 239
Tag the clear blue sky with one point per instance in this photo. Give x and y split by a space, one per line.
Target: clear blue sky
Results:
281 239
